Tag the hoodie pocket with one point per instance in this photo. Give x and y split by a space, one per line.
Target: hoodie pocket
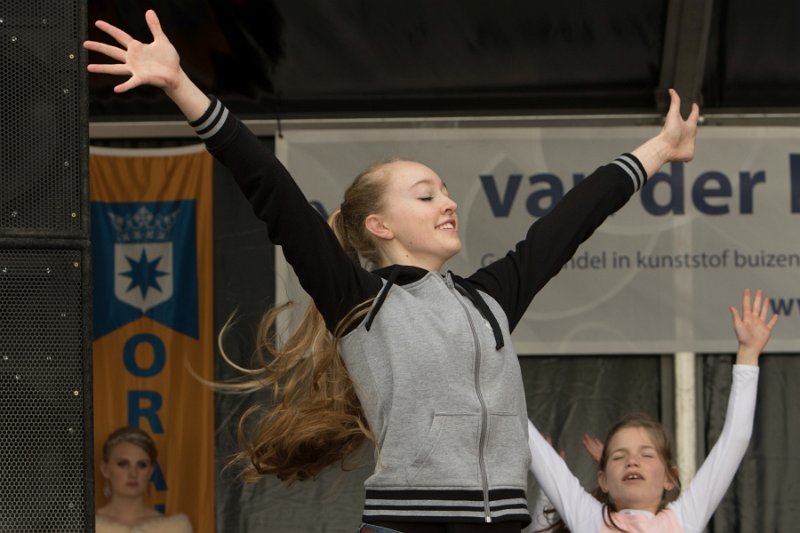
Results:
448 455
507 452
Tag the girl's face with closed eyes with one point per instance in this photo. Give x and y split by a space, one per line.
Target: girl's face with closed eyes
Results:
635 474
127 470
418 224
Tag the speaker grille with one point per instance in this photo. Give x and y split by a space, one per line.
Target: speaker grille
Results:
40 130
43 459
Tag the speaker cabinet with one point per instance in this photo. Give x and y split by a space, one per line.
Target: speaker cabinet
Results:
43 131
46 459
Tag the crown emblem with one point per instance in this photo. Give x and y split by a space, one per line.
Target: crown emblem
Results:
143 226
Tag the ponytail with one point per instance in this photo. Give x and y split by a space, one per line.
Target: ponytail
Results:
337 223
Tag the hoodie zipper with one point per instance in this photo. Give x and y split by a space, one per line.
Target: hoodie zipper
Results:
481 401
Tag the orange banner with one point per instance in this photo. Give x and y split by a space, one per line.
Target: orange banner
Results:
153 316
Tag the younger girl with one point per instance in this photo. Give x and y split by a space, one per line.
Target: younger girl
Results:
418 361
637 481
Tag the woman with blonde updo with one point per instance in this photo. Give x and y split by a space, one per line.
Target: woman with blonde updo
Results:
129 457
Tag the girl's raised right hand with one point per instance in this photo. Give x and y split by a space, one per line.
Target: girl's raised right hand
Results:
155 63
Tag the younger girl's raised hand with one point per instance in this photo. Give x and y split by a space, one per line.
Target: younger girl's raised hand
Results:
752 327
155 63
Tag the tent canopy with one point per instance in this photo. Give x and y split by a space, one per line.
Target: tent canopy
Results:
315 58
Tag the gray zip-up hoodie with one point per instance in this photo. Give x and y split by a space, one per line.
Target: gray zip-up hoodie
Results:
432 361
446 406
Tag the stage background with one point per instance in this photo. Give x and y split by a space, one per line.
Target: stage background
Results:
317 64
656 277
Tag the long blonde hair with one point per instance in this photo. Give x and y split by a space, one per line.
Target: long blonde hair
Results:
315 418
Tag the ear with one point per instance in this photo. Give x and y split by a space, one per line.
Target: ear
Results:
602 482
104 469
375 225
671 478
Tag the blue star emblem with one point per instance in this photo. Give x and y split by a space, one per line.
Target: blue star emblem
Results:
144 274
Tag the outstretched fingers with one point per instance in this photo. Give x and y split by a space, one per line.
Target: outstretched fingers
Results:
117 34
674 110
593 446
116 69
757 302
752 326
114 52
735 315
764 311
694 116
154 24
760 310
131 83
746 310
155 63
674 104
679 134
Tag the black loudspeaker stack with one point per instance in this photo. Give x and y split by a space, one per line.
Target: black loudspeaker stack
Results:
45 367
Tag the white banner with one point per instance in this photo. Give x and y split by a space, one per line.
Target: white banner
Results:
657 277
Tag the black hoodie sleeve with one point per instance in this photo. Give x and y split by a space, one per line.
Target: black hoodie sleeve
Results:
328 275
553 239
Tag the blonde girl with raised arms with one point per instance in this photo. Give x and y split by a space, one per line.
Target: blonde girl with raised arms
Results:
410 357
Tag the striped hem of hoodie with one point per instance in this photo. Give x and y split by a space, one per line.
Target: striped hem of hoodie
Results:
633 168
212 120
505 505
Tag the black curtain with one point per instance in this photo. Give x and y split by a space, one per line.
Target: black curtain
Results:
765 495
